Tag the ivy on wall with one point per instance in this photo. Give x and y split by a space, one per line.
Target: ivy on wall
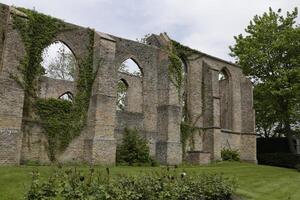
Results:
187 127
61 119
184 51
176 72
37 31
178 52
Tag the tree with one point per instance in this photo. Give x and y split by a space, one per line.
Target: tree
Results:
269 54
130 67
63 65
121 95
133 149
143 40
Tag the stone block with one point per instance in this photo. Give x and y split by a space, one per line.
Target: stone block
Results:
104 151
198 157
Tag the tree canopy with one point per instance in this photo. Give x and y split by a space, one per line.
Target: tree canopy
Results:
269 53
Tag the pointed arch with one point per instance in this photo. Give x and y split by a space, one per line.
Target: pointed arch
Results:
184 91
225 93
66 96
59 61
131 66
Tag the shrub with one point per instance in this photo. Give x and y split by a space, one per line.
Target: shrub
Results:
73 184
31 162
134 149
230 155
279 159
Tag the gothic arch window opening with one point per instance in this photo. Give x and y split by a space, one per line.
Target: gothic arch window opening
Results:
225 99
184 92
131 67
122 87
59 62
68 96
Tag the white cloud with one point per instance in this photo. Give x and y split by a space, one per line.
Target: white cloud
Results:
205 25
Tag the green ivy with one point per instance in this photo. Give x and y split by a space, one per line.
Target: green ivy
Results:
56 120
184 51
187 131
176 73
63 125
37 31
62 120
178 52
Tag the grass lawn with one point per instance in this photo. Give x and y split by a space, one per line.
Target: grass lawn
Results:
254 181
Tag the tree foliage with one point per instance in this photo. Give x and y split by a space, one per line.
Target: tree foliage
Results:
63 65
121 95
134 149
269 54
130 67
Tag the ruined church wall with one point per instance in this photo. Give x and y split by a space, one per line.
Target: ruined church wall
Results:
145 57
153 105
132 116
11 94
34 141
54 88
241 135
204 105
134 96
128 120
4 11
34 144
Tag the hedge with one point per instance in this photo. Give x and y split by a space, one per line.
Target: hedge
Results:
74 184
279 159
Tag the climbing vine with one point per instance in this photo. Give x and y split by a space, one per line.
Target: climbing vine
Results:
183 51
187 130
176 73
61 120
37 31
177 52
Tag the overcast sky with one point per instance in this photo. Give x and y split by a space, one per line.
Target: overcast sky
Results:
208 26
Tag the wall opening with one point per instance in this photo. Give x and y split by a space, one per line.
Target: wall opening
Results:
225 99
129 66
59 62
131 74
184 92
122 87
68 96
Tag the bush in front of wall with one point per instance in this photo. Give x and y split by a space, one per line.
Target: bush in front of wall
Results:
134 149
230 155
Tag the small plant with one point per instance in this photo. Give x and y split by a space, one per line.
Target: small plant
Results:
134 149
230 155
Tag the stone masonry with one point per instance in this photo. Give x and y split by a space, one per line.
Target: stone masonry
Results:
223 109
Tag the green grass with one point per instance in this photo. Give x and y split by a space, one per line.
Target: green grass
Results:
254 181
